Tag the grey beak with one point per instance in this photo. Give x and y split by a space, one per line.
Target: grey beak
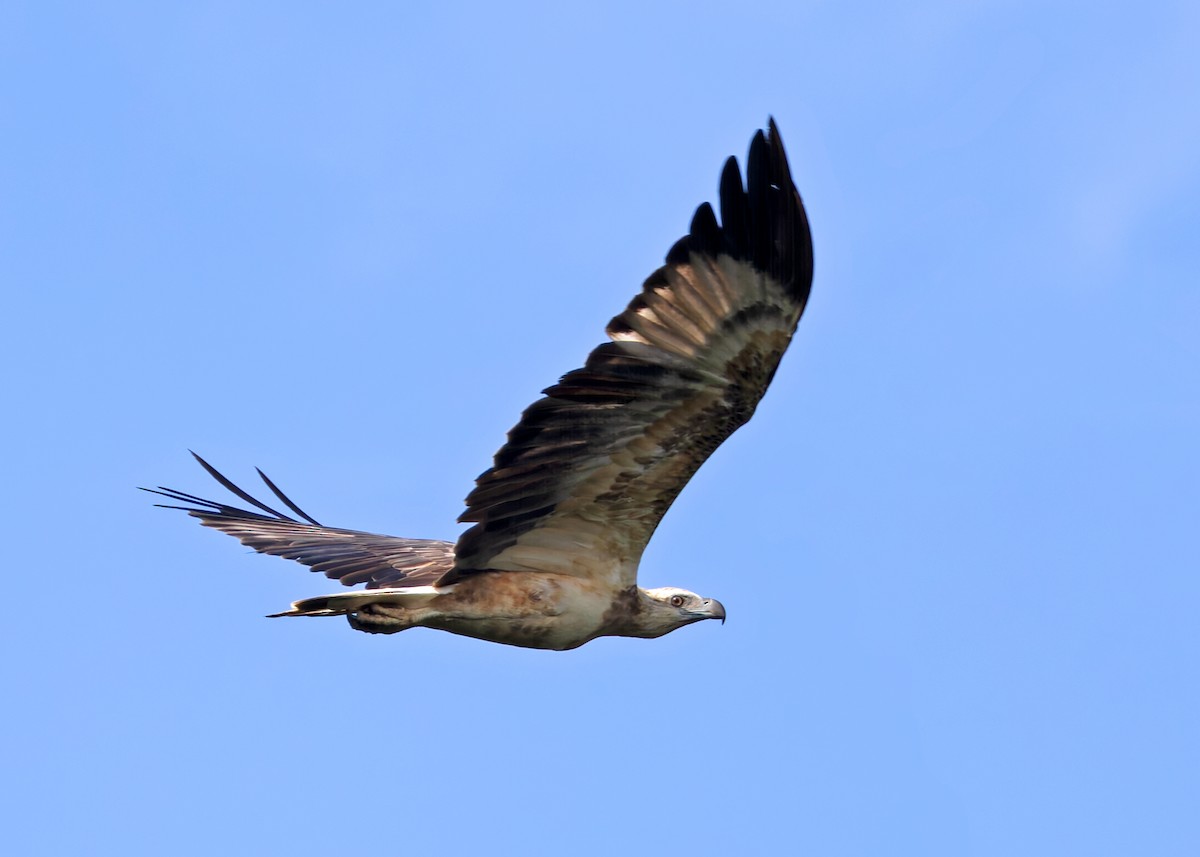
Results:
716 610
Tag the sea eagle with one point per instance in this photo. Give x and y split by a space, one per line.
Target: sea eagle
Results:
562 516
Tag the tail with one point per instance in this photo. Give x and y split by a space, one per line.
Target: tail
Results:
343 603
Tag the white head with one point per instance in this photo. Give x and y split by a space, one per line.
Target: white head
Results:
662 610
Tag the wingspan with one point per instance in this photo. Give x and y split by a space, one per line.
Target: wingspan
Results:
591 468
350 556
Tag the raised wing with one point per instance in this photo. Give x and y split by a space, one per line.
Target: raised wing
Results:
589 471
350 556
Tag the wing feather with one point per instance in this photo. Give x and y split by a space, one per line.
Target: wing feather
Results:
349 556
590 469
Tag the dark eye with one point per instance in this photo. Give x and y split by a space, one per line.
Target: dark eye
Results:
677 600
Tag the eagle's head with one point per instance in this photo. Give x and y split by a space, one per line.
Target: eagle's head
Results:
666 608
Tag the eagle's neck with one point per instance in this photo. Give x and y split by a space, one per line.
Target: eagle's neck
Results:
634 613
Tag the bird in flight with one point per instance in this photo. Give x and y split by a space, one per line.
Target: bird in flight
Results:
561 518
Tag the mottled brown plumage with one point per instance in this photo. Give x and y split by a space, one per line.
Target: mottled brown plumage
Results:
562 517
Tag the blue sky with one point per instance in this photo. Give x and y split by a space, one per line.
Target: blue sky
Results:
958 543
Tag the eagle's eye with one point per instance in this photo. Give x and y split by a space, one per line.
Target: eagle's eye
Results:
677 600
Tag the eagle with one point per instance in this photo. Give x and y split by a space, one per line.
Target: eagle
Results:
561 518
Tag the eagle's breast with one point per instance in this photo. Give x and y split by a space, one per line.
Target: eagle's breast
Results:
531 609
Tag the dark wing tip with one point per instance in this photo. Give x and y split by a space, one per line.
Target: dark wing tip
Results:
217 509
233 489
763 223
349 556
286 500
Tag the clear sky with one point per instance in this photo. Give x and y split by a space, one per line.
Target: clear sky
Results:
348 244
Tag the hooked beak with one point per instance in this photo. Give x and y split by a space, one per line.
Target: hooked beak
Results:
714 609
